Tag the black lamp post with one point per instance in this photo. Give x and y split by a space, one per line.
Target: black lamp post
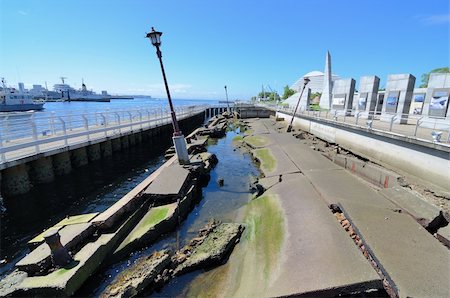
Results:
178 138
226 94
305 82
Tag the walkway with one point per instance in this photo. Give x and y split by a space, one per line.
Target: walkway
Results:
26 135
318 256
414 126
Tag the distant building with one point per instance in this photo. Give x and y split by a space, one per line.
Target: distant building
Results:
316 81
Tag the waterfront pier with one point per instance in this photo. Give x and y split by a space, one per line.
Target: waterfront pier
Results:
34 149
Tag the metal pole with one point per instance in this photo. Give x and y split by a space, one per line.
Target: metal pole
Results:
176 129
296 107
226 93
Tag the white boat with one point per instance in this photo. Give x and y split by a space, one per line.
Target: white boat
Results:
12 99
71 94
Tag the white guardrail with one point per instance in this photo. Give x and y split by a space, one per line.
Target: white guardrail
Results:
27 134
425 128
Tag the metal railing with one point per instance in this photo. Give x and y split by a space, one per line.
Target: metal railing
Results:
425 128
26 134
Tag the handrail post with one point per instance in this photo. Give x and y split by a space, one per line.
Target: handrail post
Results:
448 135
392 122
118 121
2 153
86 126
105 123
35 133
417 125
66 143
131 120
52 123
140 119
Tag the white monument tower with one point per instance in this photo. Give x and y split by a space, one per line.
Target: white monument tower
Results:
325 99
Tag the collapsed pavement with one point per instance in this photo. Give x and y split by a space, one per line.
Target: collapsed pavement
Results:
304 182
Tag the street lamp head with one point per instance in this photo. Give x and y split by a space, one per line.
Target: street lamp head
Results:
306 80
155 37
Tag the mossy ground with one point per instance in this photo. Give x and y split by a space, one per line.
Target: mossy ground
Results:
248 132
253 264
256 141
82 218
267 160
155 216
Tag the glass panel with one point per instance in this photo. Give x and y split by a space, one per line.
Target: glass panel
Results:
438 104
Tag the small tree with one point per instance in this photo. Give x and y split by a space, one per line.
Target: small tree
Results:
272 96
426 76
287 92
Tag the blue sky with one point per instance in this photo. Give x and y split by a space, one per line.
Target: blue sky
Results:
209 44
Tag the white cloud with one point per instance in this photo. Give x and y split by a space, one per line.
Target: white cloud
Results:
436 19
21 12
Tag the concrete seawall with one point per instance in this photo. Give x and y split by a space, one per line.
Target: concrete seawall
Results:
43 168
425 162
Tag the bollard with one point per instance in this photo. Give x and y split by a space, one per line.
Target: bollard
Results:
59 254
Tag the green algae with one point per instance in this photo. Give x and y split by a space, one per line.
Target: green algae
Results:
238 138
253 265
248 132
82 218
256 141
152 218
265 223
267 160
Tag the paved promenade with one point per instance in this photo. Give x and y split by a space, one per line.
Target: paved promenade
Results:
318 256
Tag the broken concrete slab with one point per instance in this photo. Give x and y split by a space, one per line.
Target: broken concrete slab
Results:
420 209
10 282
39 259
257 141
187 201
331 264
373 173
443 234
268 182
65 281
170 183
274 161
128 202
39 239
156 221
76 219
139 276
209 159
213 248
414 261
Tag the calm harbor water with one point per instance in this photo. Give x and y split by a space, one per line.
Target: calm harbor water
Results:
19 124
65 108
